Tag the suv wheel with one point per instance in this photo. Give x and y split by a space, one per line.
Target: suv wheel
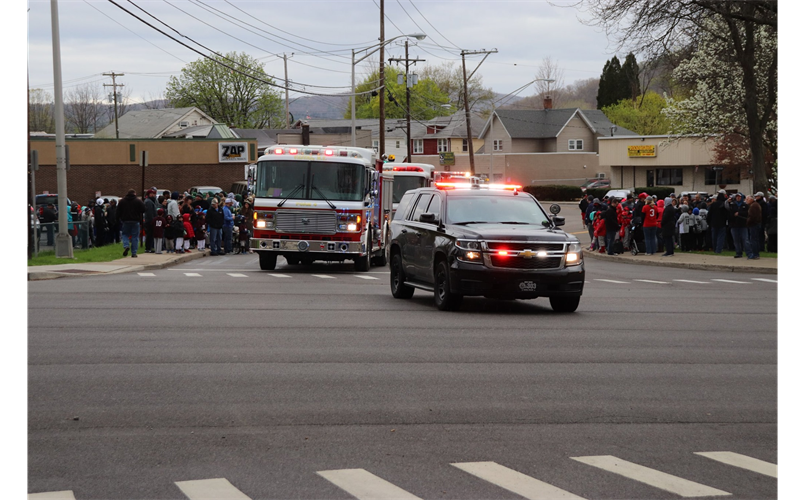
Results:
399 290
565 304
444 298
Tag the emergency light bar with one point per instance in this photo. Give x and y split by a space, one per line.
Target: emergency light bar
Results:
327 152
408 169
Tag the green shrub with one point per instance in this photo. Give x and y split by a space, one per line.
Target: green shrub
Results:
554 192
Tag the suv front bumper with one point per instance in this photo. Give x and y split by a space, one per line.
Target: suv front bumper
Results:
477 279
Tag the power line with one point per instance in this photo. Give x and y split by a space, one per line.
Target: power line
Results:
432 26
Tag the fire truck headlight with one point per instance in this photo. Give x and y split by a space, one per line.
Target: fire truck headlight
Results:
261 224
352 227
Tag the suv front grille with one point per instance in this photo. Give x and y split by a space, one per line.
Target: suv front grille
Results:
517 262
305 221
519 246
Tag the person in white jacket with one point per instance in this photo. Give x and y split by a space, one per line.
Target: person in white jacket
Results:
684 227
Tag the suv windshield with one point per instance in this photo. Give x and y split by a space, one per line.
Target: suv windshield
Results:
494 210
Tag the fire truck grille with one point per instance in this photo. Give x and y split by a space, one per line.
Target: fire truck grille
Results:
305 221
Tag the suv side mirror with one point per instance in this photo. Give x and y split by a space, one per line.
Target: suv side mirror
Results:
558 221
427 217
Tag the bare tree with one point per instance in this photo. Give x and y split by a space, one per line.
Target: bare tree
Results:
123 103
83 108
156 102
40 111
550 82
450 80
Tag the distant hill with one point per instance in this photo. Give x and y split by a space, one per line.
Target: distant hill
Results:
319 107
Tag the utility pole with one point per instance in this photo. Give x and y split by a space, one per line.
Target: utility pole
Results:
287 112
64 242
408 84
114 92
467 101
381 149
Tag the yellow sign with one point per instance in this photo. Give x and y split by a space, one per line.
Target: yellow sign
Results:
641 151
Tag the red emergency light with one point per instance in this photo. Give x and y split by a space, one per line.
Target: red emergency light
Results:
408 169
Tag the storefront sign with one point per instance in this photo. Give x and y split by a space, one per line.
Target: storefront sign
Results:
447 159
234 152
642 151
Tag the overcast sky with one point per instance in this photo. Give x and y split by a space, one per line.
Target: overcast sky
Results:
98 37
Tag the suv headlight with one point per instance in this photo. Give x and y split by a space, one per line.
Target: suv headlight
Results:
469 251
574 255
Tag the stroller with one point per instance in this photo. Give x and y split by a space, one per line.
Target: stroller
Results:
241 235
637 243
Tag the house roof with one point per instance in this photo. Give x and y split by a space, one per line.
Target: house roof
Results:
147 123
548 123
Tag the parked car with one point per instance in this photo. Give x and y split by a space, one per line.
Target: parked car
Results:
619 193
205 189
43 200
239 187
595 183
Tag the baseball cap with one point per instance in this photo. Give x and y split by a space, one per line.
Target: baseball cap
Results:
759 193
722 191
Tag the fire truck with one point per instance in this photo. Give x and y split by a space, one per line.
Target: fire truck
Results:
408 176
320 203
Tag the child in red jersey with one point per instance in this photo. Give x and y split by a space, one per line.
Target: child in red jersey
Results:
189 234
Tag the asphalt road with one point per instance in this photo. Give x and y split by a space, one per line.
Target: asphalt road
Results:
292 383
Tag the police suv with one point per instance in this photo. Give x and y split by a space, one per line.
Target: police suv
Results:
495 241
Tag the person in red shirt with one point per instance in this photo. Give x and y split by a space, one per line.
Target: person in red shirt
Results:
189 234
650 224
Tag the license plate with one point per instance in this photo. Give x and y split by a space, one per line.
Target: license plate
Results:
528 286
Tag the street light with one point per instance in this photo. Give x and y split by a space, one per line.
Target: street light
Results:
375 48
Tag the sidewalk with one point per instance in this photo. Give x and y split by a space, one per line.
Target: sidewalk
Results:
150 261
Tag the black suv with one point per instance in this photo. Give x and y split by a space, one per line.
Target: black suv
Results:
498 243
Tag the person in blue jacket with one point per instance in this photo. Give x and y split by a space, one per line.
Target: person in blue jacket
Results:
229 225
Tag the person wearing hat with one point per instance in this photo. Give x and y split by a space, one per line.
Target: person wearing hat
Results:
149 215
215 223
99 214
229 223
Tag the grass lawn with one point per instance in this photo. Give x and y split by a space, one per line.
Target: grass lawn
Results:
106 253
731 253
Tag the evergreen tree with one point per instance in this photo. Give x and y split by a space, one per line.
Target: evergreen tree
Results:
609 83
630 78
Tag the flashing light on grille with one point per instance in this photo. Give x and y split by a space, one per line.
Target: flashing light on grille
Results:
503 253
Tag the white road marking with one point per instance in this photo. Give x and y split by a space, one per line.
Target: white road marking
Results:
52 495
742 461
733 281
652 281
516 482
651 477
210 489
614 281
323 276
764 279
237 275
279 275
364 485
692 281
192 274
146 274
364 277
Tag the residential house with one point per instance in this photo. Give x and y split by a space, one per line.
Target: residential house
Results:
155 123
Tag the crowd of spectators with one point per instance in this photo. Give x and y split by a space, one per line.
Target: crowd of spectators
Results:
745 225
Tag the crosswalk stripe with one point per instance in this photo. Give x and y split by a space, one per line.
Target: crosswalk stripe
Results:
52 495
764 279
693 281
652 281
279 275
733 281
651 477
364 485
742 461
363 277
613 281
237 275
516 482
192 274
146 274
210 489
323 276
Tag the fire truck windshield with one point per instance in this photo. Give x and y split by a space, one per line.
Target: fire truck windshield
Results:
333 181
405 183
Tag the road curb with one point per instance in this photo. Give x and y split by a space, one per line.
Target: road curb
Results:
682 265
178 259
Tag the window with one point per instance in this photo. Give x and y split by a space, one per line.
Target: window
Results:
575 144
397 144
721 175
465 145
421 206
497 145
418 147
669 176
184 124
442 145
435 207
376 145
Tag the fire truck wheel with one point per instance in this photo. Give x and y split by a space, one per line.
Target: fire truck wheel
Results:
380 260
362 263
292 260
268 261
